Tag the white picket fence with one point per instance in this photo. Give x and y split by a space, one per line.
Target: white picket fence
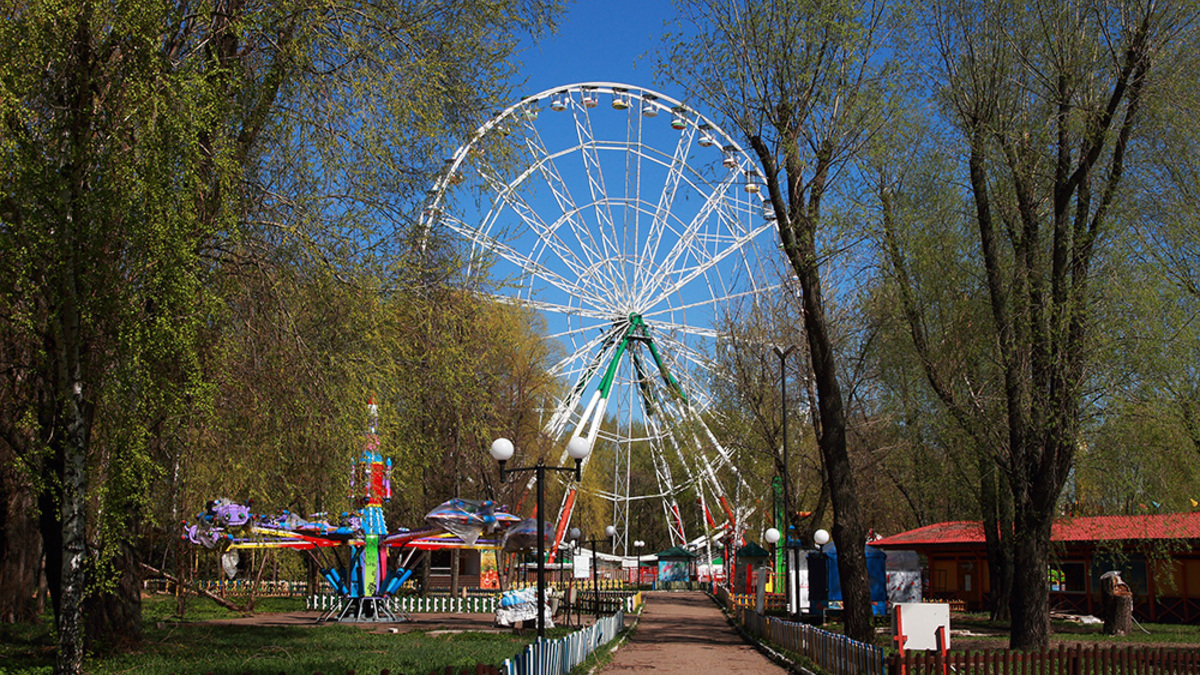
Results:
557 657
409 604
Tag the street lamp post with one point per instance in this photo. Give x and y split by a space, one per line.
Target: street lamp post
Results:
609 533
772 536
637 553
787 581
502 451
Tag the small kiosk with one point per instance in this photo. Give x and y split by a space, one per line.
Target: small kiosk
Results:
674 564
751 558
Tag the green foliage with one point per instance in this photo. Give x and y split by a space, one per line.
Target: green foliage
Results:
174 167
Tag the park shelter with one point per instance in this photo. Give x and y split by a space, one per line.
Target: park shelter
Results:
825 586
1158 555
674 564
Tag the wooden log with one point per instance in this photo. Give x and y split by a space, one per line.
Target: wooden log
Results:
197 590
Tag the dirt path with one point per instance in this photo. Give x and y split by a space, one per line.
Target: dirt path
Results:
686 633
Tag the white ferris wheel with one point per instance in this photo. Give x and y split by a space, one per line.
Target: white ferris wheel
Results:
632 224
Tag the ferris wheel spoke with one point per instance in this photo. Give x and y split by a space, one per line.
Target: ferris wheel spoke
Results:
691 234
576 331
553 307
701 241
682 360
547 235
697 331
633 187
742 240
548 169
589 154
675 170
605 339
712 301
529 265
691 420
566 407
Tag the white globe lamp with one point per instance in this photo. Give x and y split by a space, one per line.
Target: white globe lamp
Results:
502 449
820 538
578 448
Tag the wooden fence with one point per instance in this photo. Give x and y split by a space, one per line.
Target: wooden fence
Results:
839 655
1063 660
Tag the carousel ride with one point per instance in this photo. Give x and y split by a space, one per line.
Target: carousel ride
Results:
351 551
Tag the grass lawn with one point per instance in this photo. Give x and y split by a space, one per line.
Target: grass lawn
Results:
187 647
973 632
985 634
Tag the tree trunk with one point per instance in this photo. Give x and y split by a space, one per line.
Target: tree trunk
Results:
1030 605
69 618
1118 615
20 550
849 535
310 575
850 538
995 499
114 620
51 544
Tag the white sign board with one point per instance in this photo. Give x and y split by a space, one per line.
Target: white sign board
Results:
583 567
919 622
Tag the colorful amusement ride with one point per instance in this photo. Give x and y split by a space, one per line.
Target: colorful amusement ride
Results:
352 553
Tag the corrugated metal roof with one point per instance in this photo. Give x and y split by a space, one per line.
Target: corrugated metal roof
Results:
952 532
1091 528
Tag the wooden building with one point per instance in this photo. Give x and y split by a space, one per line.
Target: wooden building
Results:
1158 555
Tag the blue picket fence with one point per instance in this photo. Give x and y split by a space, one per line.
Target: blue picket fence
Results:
558 657
834 653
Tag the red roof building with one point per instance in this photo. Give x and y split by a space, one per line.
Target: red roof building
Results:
1158 556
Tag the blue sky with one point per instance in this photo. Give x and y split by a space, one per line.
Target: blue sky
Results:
600 40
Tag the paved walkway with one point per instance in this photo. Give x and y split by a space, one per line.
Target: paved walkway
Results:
686 633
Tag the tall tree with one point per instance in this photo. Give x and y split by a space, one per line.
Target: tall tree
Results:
99 229
804 81
141 142
748 409
1046 99
932 290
